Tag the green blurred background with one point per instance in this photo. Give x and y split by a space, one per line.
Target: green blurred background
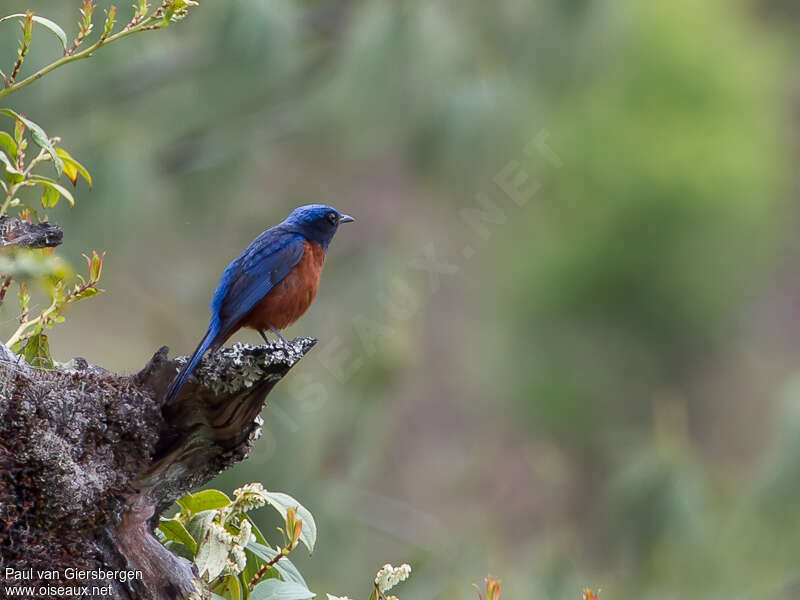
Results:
596 388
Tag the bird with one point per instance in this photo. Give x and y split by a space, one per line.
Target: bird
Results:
271 284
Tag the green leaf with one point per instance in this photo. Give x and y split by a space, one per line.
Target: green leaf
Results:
14 175
72 168
284 566
19 131
50 197
9 144
37 352
199 523
205 500
231 590
39 136
87 293
174 530
57 31
179 549
254 563
281 502
48 183
275 589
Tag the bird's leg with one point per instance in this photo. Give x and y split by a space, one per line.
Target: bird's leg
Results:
264 336
278 333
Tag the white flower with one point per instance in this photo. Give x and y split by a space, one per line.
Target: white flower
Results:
240 558
245 533
219 532
252 495
390 576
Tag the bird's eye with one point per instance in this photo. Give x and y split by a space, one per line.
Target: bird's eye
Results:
333 218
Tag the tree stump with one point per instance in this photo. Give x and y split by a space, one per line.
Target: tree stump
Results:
89 459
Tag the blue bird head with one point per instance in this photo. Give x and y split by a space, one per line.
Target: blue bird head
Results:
317 222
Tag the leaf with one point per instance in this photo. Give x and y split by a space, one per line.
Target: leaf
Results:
284 566
231 590
57 31
70 171
174 530
275 589
14 174
182 4
37 352
111 18
9 144
257 532
39 136
95 265
72 168
179 549
199 523
205 500
282 502
46 182
254 563
86 293
50 197
24 298
19 130
211 556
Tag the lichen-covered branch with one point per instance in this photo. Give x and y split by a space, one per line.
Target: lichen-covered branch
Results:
21 234
89 458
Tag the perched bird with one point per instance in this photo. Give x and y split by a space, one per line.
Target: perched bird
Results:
271 284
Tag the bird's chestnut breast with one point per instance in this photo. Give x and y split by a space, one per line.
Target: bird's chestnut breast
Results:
289 299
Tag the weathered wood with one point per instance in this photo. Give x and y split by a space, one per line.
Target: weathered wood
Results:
88 459
21 234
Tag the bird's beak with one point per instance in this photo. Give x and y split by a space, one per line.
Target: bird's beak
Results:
346 219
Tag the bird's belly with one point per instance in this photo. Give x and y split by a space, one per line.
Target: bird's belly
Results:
289 299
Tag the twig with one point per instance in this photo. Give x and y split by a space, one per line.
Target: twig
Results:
27 28
4 289
86 53
267 566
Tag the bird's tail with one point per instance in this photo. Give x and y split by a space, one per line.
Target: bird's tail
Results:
189 367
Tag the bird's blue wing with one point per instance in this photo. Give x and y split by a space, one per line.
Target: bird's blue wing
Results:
250 277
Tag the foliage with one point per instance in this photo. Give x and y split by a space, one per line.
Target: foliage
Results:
230 552
22 173
29 339
492 589
233 557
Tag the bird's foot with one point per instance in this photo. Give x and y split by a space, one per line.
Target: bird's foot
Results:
278 333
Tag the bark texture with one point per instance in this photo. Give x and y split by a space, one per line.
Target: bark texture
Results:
21 234
88 460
